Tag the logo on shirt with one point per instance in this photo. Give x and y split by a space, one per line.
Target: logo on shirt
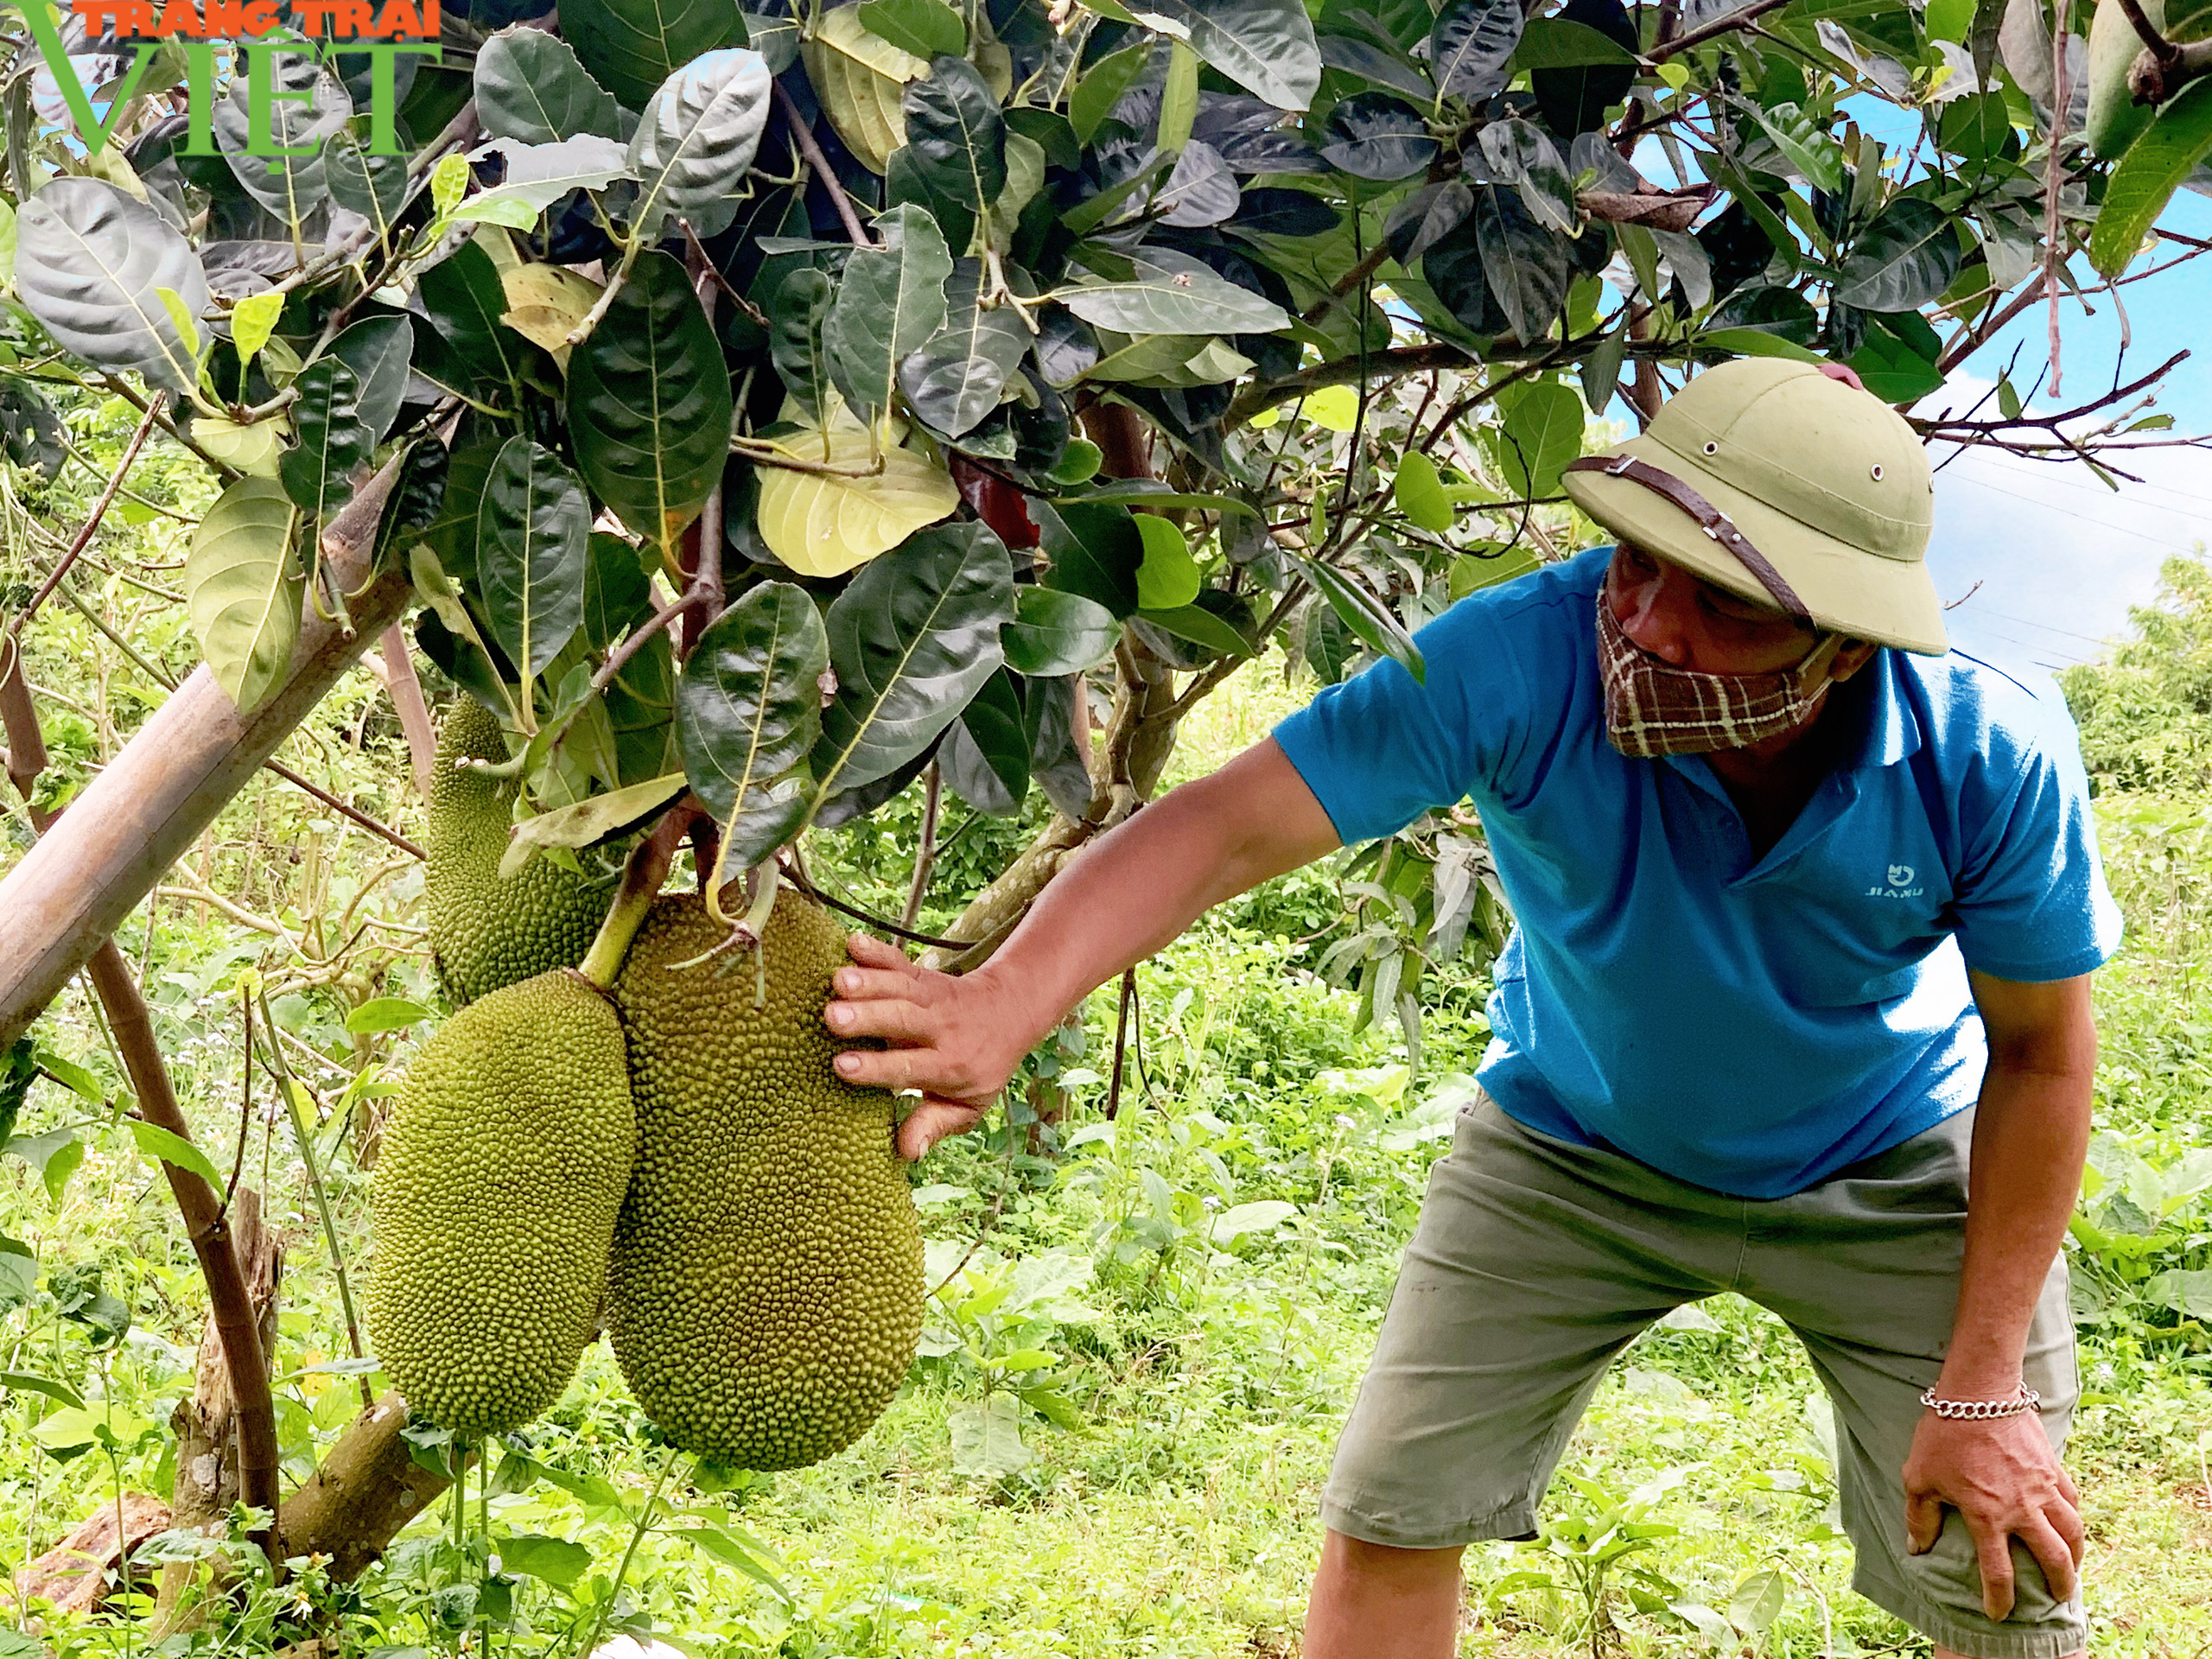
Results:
1900 885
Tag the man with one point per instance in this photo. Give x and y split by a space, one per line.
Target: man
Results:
1806 914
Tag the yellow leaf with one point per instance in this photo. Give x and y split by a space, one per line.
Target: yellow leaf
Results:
822 524
253 319
859 77
1334 407
252 449
545 303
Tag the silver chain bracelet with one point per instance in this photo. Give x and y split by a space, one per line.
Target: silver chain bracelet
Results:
1982 1410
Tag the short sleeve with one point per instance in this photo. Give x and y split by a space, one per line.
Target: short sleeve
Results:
1381 749
2032 904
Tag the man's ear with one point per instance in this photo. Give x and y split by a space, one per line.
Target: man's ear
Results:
1852 656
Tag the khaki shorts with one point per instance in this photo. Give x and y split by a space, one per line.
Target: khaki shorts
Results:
1536 1261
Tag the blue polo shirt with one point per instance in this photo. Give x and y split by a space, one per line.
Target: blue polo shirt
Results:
1751 1026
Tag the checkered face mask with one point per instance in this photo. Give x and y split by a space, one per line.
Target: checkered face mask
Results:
1654 708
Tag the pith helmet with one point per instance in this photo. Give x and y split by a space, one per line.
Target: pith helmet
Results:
1828 482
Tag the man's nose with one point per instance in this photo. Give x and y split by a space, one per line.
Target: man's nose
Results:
1660 616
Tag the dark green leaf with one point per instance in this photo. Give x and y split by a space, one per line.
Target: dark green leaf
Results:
1199 192
377 350
1426 218
2144 181
1051 709
748 708
1174 292
1056 632
912 637
1554 43
1201 627
632 45
1095 551
1375 135
1906 257
1273 212
795 320
1471 46
532 537
1600 374
986 753
1267 46
1366 616
1101 86
450 533
1580 63
617 593
1373 63
464 299
1897 363
1520 153
649 402
891 301
957 133
955 379
290 186
91 263
28 1382
529 86
697 137
375 187
1777 311
1524 264
333 439
928 28
18 1070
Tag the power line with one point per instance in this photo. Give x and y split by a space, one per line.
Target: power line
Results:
2102 493
2101 524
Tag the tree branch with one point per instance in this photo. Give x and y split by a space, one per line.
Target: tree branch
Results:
405 692
1719 26
92 521
811 152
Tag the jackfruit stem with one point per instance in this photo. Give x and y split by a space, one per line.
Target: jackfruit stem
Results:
642 876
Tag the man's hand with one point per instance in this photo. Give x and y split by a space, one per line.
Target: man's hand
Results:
2002 1476
954 1038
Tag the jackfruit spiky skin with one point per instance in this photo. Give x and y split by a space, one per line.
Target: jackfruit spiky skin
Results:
765 1292
485 932
494 1200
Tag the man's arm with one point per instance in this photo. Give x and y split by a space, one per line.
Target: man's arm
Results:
1118 901
2031 1133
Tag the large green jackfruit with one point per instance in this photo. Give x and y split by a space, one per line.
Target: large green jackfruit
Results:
2115 120
494 1198
766 1291
485 932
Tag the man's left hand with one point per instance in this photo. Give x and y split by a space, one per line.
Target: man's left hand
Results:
2002 1476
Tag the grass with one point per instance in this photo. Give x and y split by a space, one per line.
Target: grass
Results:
1203 1375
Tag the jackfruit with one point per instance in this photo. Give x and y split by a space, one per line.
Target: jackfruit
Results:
2115 119
485 932
764 1294
494 1201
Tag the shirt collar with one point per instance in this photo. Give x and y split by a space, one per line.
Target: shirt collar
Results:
1892 731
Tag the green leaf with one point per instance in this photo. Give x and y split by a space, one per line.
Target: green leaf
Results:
631 46
290 186
986 753
464 299
697 137
375 187
1893 369
750 1558
1806 142
1267 46
586 822
382 1014
451 532
253 319
987 1439
1540 433
1179 103
2179 136
333 439
911 639
748 710
649 402
1471 46
1101 86
1419 494
531 536
797 313
1200 627
1758 1600
161 1147
1095 551
1525 265
379 351
1600 374
1562 43
90 264
1369 618
1054 634
928 28
244 588
1378 136
957 376
956 134
1174 294
1168 578
530 85
1904 259
556 1560
27 1382
1760 342
889 302
537 175
1519 152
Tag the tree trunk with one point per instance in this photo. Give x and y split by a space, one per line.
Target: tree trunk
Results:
134 820
205 1420
368 1487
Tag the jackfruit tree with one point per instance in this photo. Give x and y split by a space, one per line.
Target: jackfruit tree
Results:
754 415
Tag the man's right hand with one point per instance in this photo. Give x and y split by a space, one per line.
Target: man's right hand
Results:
956 1038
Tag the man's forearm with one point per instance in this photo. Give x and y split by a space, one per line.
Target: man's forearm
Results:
2031 1132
